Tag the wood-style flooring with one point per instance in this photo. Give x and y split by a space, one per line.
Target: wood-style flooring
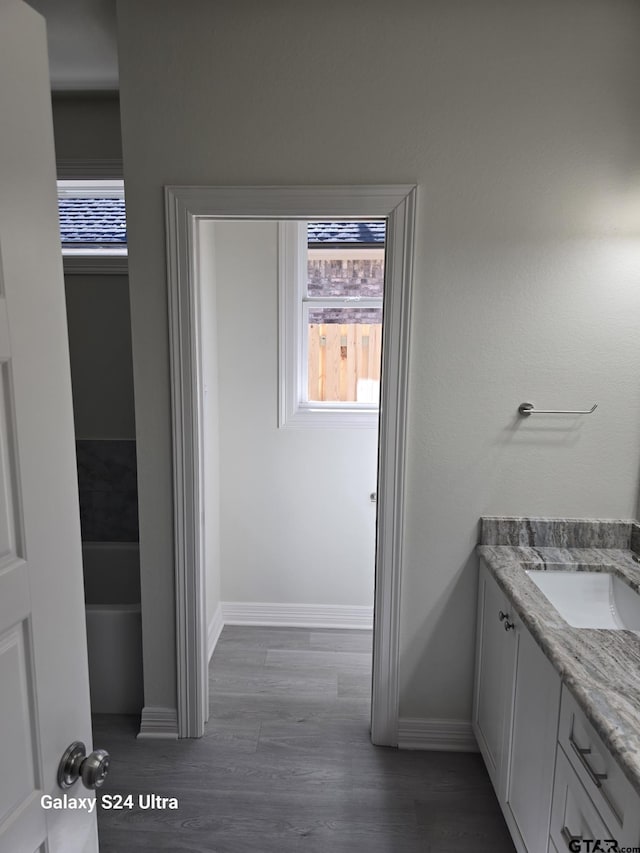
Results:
286 764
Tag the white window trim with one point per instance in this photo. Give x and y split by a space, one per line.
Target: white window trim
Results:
294 412
80 188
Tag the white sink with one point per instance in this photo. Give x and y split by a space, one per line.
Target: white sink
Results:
590 599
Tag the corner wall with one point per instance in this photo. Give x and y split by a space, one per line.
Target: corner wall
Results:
520 123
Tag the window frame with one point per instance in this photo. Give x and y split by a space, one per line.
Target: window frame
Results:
91 259
293 308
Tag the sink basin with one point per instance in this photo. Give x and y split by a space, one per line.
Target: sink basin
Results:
590 599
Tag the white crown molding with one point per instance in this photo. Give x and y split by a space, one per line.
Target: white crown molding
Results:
96 265
158 723
87 170
184 207
297 615
215 629
436 735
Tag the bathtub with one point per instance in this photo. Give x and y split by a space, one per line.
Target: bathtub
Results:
114 627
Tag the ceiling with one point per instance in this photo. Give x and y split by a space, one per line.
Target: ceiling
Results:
82 38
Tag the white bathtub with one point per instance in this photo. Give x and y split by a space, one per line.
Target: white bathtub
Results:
114 627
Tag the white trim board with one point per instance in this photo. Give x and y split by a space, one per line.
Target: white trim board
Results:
185 207
158 723
297 615
436 735
214 630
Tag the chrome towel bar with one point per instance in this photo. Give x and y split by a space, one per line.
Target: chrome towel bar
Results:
527 409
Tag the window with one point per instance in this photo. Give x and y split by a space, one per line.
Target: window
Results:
93 228
331 291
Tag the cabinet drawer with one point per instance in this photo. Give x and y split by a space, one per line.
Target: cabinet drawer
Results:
573 815
612 793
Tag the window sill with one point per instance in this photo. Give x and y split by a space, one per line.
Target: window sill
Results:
325 417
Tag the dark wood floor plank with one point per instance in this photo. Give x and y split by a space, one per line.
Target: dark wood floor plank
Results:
286 764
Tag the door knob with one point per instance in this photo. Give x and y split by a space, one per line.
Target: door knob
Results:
76 764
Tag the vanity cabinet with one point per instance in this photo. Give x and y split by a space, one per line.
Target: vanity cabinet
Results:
558 785
515 716
592 797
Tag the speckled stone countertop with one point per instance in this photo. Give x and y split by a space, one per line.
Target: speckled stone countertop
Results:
600 667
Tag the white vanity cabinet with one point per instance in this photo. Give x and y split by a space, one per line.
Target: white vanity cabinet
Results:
515 716
592 798
558 785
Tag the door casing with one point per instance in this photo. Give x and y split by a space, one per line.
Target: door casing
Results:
185 207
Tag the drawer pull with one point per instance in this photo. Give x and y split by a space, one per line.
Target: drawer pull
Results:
569 839
596 778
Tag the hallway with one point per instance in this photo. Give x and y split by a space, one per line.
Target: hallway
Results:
286 764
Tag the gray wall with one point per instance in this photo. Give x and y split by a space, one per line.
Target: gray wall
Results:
87 127
519 121
101 363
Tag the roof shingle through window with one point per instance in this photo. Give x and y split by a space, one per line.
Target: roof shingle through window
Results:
92 220
346 232
103 220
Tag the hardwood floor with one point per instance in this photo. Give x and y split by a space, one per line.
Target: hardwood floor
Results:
286 764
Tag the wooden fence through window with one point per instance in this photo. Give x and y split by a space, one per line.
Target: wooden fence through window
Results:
344 362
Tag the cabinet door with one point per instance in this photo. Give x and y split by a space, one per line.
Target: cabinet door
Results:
494 671
530 744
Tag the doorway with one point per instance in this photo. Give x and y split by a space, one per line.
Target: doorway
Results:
187 207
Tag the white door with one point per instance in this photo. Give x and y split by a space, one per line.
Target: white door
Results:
44 690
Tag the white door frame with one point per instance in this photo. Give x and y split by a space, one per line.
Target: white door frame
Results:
184 207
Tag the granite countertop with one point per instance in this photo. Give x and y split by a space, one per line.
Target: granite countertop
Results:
600 667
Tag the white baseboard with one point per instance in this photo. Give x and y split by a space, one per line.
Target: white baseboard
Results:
436 735
297 615
158 723
214 630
